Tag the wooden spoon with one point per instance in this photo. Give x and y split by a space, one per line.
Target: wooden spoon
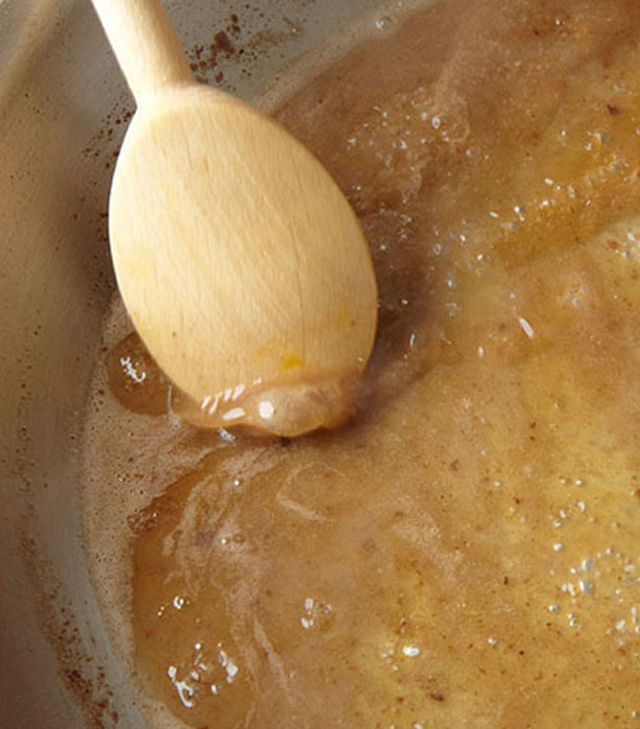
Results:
239 260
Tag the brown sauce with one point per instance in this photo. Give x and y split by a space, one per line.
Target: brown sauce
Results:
465 553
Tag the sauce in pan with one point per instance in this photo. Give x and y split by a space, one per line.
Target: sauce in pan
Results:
466 552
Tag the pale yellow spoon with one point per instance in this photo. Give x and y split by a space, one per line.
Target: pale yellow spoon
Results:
239 260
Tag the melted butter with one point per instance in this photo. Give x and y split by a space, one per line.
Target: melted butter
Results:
465 553
260 410
140 386
135 379
263 409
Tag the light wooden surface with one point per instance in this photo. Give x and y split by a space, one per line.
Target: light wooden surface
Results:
238 258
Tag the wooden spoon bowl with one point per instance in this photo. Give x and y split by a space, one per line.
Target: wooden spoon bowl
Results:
239 260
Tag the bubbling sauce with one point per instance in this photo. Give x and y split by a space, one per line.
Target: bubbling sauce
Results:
465 553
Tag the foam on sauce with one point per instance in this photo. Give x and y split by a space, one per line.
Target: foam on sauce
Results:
466 552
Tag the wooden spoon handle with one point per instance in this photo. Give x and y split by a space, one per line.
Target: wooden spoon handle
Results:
145 45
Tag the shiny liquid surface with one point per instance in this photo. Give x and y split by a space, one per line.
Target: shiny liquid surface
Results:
465 553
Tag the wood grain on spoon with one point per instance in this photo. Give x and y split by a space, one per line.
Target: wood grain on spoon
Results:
239 260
